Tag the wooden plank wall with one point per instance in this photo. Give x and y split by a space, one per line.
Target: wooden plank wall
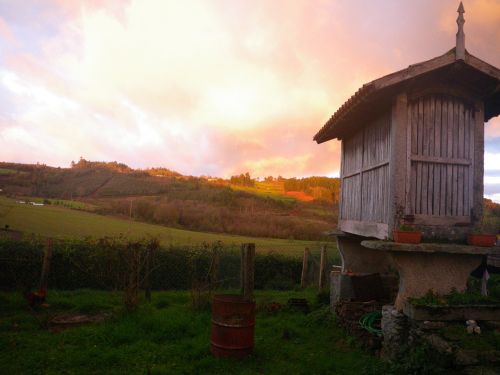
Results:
351 167
365 173
441 131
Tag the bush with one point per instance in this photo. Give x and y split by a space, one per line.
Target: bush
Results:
100 264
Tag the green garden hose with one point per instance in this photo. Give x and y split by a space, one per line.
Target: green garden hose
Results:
367 321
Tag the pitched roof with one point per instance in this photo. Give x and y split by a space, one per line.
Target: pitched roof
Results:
374 95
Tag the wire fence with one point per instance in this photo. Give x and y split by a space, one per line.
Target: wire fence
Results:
108 263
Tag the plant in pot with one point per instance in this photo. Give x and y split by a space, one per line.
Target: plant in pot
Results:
407 234
482 235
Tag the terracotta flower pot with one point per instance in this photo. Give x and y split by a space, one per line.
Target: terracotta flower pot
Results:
403 236
484 240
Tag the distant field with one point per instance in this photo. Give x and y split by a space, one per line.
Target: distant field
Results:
56 221
272 190
78 205
7 171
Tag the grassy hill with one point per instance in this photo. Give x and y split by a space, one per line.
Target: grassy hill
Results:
161 196
61 222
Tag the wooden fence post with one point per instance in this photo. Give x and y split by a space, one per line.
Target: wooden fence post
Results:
147 274
305 264
322 264
47 255
247 270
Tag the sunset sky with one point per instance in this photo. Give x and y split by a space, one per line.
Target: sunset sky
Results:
212 87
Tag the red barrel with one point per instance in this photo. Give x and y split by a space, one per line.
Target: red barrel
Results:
233 325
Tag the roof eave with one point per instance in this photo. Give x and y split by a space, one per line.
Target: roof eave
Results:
330 129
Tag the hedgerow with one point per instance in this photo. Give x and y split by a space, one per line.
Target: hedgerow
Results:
102 264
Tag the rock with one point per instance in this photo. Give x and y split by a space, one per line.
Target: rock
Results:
480 370
491 356
493 324
431 326
466 357
440 344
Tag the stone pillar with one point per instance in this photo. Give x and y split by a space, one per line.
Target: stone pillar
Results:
359 259
340 288
395 329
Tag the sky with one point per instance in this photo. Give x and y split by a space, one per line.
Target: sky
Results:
213 87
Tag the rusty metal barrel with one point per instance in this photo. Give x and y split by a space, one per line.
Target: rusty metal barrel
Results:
233 326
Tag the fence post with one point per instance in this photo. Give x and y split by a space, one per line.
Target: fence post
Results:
322 264
47 255
305 263
147 274
247 270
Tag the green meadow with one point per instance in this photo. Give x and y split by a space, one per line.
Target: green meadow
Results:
168 337
61 222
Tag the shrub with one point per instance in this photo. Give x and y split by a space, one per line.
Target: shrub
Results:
100 264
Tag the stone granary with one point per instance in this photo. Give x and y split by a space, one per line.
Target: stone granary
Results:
412 151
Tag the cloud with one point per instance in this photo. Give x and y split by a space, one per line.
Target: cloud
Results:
6 33
215 88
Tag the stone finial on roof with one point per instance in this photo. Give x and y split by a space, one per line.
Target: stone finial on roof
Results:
460 47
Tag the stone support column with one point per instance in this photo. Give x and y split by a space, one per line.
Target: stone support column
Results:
359 259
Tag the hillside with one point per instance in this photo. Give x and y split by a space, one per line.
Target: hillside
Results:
276 207
61 222
160 196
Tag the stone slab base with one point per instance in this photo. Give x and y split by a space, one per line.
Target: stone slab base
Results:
438 272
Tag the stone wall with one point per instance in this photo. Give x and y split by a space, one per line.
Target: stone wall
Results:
401 334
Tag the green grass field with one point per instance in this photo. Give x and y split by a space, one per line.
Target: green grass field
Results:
60 222
169 337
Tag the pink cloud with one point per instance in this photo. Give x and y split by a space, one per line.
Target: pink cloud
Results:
215 87
6 33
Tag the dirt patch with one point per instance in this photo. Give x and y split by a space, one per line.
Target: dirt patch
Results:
66 321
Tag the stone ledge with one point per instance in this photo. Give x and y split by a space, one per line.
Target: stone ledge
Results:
449 313
430 248
336 233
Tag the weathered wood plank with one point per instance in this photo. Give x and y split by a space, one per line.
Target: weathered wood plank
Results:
376 166
409 137
441 220
437 153
418 204
454 196
466 208
444 150
461 153
461 112
441 160
478 162
366 229
471 155
460 189
397 165
414 187
425 152
342 157
449 153
431 142
456 108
